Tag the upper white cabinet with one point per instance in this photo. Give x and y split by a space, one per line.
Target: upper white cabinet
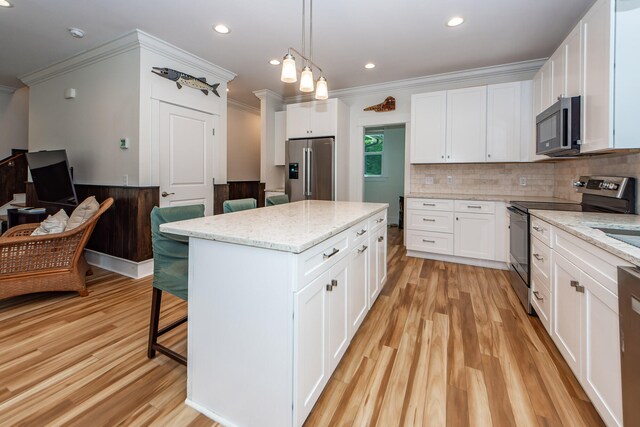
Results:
504 122
312 119
547 85
467 125
472 125
573 63
557 74
428 127
280 138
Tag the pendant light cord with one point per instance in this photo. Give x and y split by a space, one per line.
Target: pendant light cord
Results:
311 30
304 46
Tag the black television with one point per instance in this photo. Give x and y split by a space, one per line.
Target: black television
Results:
51 177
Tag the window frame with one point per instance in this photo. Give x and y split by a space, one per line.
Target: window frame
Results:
376 132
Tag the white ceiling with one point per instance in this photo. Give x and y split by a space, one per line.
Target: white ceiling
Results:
404 38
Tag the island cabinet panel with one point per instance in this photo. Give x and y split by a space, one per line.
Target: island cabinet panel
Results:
269 324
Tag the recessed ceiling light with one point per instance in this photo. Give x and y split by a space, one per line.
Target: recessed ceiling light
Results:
222 29
274 62
455 21
5 3
370 65
76 32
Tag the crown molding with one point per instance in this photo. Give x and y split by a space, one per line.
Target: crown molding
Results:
524 70
8 89
263 94
242 106
132 40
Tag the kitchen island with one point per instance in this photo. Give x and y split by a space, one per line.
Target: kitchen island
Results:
275 296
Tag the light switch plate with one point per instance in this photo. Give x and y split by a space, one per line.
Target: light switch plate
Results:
428 180
523 181
124 143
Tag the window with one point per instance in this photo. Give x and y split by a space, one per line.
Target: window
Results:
373 152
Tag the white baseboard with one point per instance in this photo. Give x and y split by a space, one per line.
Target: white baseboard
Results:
135 270
215 417
460 260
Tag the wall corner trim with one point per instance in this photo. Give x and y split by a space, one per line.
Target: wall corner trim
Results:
8 89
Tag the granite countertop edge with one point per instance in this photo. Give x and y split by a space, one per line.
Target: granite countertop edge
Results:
487 197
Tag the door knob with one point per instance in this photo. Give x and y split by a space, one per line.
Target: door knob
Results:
165 194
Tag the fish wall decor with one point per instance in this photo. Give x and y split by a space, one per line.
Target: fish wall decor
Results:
389 104
183 79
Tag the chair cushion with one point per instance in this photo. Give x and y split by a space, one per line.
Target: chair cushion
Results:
170 251
83 212
53 224
239 205
277 200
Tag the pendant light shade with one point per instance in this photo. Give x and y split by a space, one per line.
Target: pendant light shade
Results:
289 74
306 80
322 92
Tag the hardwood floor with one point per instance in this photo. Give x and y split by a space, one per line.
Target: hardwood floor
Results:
445 344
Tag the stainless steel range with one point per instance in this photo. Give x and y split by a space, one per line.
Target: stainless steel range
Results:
609 194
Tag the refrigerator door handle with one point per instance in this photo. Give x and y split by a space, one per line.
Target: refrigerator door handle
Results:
304 174
309 170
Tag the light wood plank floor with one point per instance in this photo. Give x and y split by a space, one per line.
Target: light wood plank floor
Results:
444 344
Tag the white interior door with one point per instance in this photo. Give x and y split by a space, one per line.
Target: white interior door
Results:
186 157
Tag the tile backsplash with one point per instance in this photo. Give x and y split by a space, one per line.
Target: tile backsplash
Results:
542 178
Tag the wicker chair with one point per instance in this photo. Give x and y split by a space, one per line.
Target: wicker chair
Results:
54 262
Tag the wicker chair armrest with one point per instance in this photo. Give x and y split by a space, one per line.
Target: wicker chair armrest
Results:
38 253
21 230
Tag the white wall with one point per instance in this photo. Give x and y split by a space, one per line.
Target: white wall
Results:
243 143
14 121
389 187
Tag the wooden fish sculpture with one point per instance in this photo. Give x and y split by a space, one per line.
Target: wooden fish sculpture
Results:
187 80
389 104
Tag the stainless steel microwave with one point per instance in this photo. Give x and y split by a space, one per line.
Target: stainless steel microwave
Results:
558 128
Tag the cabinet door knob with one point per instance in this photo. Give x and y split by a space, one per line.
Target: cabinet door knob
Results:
380 239
579 288
538 257
334 283
364 248
329 287
537 295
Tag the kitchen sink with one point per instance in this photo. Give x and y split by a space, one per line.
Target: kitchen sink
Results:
626 235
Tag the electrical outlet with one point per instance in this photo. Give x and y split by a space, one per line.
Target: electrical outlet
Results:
449 180
428 180
523 181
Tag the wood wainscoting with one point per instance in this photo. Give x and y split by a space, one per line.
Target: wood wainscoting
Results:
124 231
237 190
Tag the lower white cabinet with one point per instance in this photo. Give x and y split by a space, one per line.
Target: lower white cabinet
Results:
377 262
358 298
475 235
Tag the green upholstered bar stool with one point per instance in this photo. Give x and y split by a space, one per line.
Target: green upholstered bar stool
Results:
280 199
239 205
170 271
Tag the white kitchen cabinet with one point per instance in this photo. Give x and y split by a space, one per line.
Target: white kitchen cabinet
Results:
280 138
537 93
475 235
338 312
573 62
547 85
466 125
377 262
358 298
504 122
567 311
558 74
428 127
312 119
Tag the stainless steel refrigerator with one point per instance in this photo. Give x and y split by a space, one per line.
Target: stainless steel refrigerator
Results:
310 173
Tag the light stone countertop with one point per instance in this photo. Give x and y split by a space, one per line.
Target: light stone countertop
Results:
581 225
290 227
487 197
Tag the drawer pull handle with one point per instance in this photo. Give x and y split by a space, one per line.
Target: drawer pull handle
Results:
428 241
380 239
474 207
380 220
429 219
428 204
576 284
535 227
361 232
335 251
538 257
538 296
334 283
329 287
364 248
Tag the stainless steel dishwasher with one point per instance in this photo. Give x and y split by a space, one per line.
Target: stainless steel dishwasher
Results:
629 309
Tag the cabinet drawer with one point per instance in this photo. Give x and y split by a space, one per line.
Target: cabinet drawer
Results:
317 259
358 233
378 220
541 259
475 206
424 241
430 221
540 300
541 230
430 204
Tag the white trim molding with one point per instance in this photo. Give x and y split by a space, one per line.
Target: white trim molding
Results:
130 41
498 265
242 106
524 70
135 270
8 89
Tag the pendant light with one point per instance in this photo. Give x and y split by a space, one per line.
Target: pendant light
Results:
289 70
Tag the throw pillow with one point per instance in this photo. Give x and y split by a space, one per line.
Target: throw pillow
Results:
82 213
53 224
